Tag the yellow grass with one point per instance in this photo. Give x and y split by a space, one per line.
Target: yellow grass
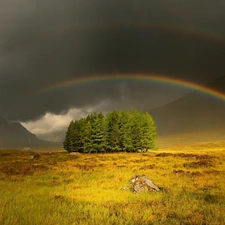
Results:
86 189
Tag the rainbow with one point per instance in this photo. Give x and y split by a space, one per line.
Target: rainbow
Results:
185 30
133 77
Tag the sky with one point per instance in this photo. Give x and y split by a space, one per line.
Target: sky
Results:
43 43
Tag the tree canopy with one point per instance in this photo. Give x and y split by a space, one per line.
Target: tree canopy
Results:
117 131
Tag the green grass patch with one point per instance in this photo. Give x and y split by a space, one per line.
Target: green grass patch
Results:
86 189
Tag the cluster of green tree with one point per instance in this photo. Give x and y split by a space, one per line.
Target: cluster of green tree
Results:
128 131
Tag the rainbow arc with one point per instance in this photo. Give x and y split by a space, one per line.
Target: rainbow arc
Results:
133 77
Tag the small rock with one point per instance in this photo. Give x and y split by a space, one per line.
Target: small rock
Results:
35 156
140 183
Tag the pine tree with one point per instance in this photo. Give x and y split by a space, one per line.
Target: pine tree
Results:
79 126
112 131
98 133
125 133
76 136
87 139
136 130
148 133
68 143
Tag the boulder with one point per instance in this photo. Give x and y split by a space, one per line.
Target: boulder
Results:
35 155
140 183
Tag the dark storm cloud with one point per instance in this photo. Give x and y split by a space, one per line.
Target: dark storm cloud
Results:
46 42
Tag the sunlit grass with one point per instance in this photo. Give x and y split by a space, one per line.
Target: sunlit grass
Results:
86 189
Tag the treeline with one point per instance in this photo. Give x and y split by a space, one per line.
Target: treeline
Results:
128 131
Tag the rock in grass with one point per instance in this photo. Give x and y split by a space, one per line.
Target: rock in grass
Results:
35 155
140 183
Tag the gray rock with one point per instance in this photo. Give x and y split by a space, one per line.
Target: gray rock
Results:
140 183
35 155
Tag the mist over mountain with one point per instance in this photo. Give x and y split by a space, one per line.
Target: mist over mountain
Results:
14 135
195 112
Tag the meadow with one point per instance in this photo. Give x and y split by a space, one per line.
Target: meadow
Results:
85 189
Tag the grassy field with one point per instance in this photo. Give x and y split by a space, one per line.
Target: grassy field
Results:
86 189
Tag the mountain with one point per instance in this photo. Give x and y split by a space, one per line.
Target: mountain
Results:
195 112
53 136
14 135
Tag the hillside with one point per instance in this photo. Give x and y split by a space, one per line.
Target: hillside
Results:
196 112
14 135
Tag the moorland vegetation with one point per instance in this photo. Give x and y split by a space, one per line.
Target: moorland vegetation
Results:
82 189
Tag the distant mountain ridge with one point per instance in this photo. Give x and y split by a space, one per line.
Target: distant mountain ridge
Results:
14 135
194 112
